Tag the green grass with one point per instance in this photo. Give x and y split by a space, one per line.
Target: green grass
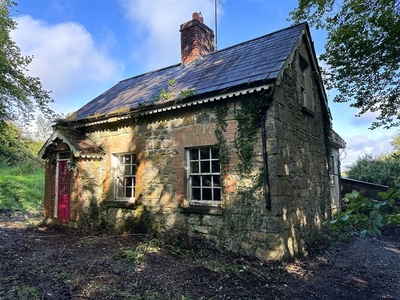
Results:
21 189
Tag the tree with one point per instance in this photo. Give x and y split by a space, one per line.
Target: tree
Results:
396 143
362 52
20 94
16 148
382 170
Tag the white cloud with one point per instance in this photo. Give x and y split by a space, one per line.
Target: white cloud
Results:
359 145
157 24
66 57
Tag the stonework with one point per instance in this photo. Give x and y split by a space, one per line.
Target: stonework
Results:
298 179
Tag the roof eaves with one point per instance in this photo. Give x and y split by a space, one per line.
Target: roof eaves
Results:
174 106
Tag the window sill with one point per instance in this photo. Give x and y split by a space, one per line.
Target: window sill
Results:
121 204
308 111
207 210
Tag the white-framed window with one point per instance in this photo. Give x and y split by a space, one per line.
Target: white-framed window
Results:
203 176
125 177
332 171
305 85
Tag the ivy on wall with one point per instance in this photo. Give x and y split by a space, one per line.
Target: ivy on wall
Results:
248 116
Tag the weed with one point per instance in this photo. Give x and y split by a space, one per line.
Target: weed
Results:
84 242
26 293
138 253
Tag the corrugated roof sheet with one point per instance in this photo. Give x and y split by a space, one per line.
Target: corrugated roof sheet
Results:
248 62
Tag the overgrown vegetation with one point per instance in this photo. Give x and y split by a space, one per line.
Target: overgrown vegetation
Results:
21 188
382 170
367 216
20 94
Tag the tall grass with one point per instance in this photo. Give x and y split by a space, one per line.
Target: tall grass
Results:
22 188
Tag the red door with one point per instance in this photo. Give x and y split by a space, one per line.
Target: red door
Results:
64 192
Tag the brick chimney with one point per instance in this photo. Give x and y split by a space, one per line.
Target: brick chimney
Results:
197 39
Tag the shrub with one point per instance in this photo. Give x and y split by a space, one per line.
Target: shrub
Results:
383 170
366 215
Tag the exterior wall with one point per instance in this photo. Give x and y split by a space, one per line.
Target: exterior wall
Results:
297 155
297 170
49 189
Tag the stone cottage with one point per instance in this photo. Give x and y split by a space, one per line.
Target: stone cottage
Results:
230 146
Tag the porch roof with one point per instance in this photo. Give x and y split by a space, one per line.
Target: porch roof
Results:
79 143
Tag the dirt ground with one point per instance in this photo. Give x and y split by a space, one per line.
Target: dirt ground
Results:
39 262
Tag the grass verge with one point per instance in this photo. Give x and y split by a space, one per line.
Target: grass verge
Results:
21 190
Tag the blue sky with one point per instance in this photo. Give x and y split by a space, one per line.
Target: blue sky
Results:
83 47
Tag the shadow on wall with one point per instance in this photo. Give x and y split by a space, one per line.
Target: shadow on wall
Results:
244 224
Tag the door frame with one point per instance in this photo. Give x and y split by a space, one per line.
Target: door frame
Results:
62 156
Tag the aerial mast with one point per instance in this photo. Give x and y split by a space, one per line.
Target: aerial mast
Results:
216 21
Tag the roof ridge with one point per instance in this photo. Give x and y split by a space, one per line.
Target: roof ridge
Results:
261 37
215 52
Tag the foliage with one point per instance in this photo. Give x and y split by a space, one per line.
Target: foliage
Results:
20 94
396 143
361 52
366 215
141 249
221 111
27 293
248 116
187 93
383 170
165 94
16 148
21 188
43 129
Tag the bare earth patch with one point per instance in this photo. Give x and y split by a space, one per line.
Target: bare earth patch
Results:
39 262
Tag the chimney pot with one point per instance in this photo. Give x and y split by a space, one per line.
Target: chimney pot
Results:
198 16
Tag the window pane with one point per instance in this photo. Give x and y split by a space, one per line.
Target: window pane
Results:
194 154
127 159
129 181
205 167
214 153
206 181
194 167
196 193
207 194
205 153
195 180
217 194
128 192
215 166
216 180
127 170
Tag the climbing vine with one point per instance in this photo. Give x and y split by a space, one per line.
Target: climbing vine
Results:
221 111
248 116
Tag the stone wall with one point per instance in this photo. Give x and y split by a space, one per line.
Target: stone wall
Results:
297 154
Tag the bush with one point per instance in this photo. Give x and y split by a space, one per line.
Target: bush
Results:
384 170
366 215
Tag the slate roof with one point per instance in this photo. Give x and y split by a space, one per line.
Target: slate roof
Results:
247 63
79 143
